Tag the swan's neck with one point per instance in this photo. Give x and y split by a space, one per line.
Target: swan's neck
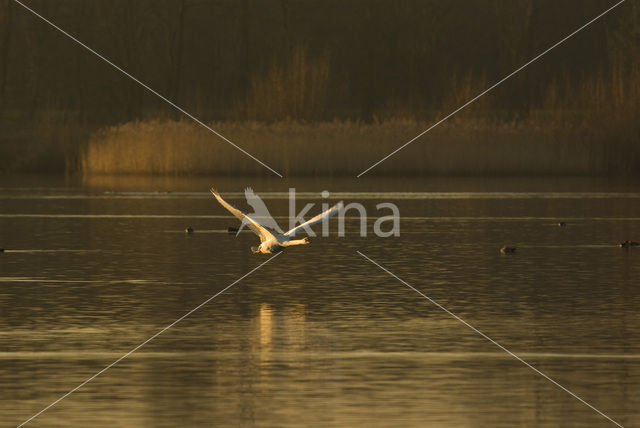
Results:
295 242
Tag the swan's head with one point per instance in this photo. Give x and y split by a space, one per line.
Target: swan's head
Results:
305 240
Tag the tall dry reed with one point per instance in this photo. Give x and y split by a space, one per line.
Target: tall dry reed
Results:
346 148
583 125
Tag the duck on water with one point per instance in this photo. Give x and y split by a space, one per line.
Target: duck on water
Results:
507 250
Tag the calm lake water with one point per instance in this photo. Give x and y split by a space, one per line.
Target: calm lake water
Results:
319 336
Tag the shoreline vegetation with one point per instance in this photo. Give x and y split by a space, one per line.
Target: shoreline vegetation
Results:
458 147
322 88
584 128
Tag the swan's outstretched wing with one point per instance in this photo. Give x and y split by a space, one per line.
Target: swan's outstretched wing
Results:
328 213
260 210
263 233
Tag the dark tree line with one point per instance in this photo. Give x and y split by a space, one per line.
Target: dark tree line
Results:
302 59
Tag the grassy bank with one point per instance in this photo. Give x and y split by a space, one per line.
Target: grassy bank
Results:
539 146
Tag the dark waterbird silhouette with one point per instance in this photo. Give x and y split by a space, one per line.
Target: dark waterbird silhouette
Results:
507 250
627 244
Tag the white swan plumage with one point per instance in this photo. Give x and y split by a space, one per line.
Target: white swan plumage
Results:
271 242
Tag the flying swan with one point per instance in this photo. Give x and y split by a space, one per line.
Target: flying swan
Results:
275 242
260 210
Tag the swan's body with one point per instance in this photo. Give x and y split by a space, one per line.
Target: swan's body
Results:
271 242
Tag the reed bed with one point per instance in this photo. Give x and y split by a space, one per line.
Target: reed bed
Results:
346 148
582 127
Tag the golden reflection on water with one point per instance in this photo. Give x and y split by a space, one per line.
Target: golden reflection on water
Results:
281 330
265 318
